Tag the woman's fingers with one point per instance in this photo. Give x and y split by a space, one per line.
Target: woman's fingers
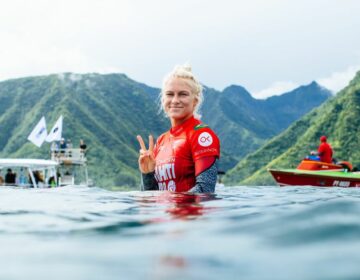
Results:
145 154
141 142
151 155
151 143
146 157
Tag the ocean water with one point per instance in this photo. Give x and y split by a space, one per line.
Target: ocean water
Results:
238 233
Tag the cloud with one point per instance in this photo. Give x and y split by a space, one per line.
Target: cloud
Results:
338 80
22 56
277 88
335 82
142 40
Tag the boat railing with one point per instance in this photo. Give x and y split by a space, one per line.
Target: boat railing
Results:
24 182
71 156
66 180
28 185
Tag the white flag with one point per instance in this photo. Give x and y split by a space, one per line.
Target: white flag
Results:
39 133
56 131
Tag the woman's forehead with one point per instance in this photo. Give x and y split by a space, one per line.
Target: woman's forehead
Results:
177 84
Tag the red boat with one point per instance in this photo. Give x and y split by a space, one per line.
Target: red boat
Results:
317 173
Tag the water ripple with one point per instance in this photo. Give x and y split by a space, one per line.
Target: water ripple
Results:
239 233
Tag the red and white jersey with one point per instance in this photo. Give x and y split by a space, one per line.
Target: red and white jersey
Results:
177 150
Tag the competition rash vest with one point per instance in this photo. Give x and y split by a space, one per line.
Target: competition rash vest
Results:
177 150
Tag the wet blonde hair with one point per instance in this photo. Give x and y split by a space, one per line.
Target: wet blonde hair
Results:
184 72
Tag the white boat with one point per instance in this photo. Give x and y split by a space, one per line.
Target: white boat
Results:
71 163
72 168
28 173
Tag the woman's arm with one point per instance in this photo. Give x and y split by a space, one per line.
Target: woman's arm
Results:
148 182
206 175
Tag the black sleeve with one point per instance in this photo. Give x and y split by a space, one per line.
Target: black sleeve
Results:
206 180
148 182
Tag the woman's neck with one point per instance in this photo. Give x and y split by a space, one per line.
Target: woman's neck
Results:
177 122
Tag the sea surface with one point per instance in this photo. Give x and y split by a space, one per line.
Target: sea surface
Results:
239 233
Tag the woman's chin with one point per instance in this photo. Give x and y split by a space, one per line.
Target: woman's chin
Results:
178 116
175 117
175 114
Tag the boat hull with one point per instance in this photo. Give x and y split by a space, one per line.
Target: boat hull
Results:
294 177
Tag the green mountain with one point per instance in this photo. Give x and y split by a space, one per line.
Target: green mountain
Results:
108 111
244 123
338 118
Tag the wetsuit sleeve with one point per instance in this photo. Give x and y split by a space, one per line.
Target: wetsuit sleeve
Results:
206 180
148 182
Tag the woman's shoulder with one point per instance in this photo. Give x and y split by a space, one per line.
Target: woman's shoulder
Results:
200 133
163 136
200 128
204 141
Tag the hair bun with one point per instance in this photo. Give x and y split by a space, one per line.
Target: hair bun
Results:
183 68
187 67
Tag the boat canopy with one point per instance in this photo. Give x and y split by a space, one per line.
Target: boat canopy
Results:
28 163
40 172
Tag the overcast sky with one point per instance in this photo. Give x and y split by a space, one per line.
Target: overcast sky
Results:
267 46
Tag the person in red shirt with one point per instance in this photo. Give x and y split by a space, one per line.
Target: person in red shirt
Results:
184 158
325 151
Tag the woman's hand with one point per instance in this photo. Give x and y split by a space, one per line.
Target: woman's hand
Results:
146 158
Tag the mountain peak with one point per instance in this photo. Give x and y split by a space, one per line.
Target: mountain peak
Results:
316 86
311 90
238 90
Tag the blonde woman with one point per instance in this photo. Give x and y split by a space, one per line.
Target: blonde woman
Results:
184 158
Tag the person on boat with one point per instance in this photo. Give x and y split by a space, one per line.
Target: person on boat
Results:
38 177
69 147
184 158
1 179
22 177
10 177
63 146
82 147
325 151
52 182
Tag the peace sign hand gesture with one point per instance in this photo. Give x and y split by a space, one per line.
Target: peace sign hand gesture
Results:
146 158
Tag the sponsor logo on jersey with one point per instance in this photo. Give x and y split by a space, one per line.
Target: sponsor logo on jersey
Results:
165 172
165 176
207 150
205 139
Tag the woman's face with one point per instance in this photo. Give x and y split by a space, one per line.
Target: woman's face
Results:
178 100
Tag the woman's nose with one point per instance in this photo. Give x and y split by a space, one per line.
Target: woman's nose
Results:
175 99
